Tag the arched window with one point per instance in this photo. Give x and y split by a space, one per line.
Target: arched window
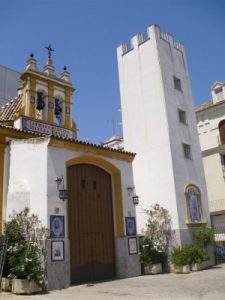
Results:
222 131
41 107
58 111
193 199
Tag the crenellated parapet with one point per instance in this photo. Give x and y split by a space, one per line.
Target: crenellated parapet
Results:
153 32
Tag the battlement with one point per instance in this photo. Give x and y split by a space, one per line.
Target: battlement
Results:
153 31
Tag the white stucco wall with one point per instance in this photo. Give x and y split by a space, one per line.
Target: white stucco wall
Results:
33 169
28 177
57 158
151 127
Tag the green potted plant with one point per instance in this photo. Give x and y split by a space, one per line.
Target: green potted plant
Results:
154 245
180 258
197 256
204 239
25 259
151 259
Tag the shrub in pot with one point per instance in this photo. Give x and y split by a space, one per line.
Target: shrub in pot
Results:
204 238
151 259
25 259
197 256
180 259
157 235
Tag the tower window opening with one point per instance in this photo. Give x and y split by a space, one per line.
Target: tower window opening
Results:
177 83
58 111
182 116
187 151
40 101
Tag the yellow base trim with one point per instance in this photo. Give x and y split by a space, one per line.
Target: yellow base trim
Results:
193 225
116 181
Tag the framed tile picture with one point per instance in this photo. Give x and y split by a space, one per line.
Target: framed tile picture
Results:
130 226
132 245
57 226
57 250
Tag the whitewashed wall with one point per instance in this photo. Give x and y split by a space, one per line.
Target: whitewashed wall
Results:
33 169
151 127
208 121
28 177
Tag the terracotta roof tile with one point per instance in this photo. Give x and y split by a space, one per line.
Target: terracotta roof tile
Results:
8 111
79 142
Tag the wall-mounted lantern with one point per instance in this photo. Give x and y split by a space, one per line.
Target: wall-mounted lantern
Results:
63 193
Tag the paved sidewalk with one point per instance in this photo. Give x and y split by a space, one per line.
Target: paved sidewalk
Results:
207 284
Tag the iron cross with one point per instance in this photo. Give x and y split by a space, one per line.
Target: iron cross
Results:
50 50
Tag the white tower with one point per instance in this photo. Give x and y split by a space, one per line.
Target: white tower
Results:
159 125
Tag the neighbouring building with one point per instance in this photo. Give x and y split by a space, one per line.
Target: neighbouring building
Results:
159 125
211 129
115 142
9 83
78 189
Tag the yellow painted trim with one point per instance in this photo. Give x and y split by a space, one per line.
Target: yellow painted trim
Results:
68 120
116 176
47 79
50 98
32 93
2 156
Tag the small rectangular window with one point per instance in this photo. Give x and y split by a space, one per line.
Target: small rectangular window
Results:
177 83
187 151
182 116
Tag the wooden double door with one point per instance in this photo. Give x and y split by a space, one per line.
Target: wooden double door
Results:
90 219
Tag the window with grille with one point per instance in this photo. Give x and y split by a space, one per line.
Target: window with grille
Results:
187 151
182 116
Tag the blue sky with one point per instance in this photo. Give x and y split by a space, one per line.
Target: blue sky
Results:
85 34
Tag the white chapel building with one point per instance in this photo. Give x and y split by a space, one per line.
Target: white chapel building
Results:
78 189
159 125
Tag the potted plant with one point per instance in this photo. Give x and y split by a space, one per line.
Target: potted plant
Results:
180 258
154 244
197 257
151 259
25 259
204 238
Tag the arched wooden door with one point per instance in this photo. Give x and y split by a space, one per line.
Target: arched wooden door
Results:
90 219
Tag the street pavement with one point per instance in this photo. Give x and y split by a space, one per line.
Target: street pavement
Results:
207 284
